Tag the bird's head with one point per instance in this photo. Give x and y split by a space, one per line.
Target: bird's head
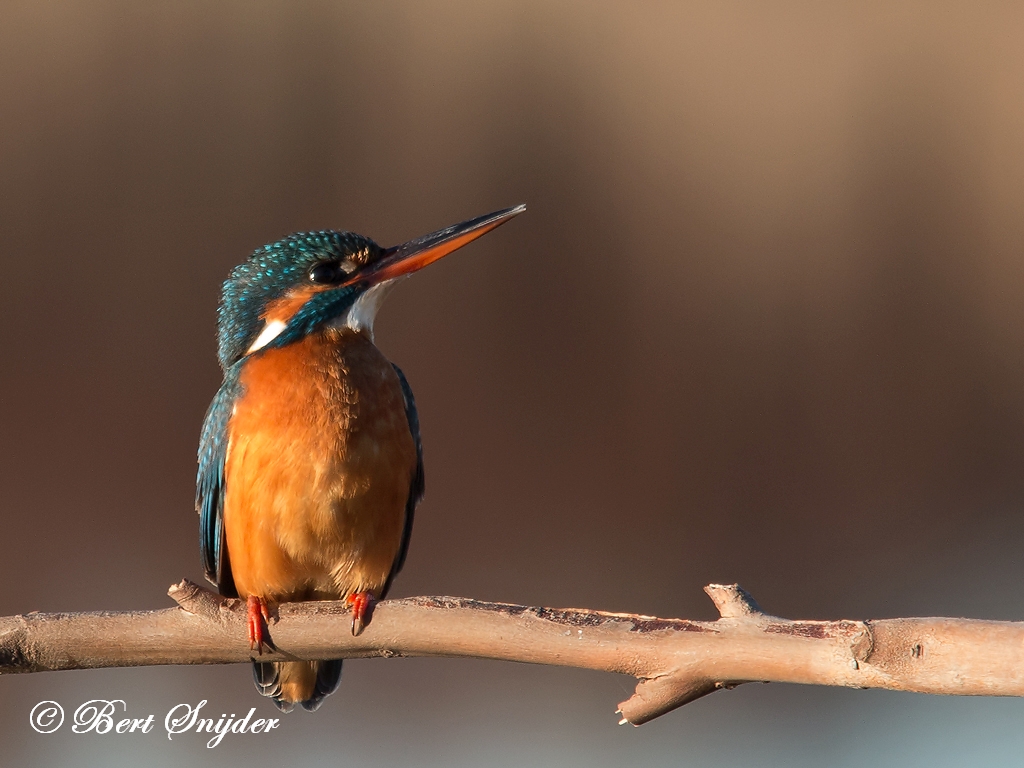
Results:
297 285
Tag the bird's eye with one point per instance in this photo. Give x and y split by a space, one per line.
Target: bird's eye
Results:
326 272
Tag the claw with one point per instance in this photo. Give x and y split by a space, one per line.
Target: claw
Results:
258 618
362 607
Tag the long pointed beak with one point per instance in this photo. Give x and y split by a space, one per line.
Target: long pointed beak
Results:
408 257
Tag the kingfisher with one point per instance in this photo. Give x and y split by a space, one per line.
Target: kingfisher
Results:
310 460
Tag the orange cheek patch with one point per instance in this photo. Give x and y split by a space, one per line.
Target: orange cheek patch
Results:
283 309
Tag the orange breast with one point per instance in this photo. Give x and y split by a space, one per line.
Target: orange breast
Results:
318 471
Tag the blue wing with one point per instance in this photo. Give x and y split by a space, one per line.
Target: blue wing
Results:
213 447
417 487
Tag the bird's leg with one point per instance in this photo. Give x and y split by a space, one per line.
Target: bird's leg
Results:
258 618
362 607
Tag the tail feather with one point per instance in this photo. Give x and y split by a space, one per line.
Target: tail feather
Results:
306 683
328 675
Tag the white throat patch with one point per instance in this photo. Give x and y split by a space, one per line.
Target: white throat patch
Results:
361 315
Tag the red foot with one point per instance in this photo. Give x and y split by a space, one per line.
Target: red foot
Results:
362 607
258 617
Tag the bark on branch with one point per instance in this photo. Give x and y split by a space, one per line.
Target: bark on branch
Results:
675 660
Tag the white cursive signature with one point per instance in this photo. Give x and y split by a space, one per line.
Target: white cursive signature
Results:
102 716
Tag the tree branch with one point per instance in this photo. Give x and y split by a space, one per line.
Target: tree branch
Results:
675 660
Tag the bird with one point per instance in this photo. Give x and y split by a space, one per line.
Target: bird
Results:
310 459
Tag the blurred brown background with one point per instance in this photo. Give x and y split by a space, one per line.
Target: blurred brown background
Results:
761 323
